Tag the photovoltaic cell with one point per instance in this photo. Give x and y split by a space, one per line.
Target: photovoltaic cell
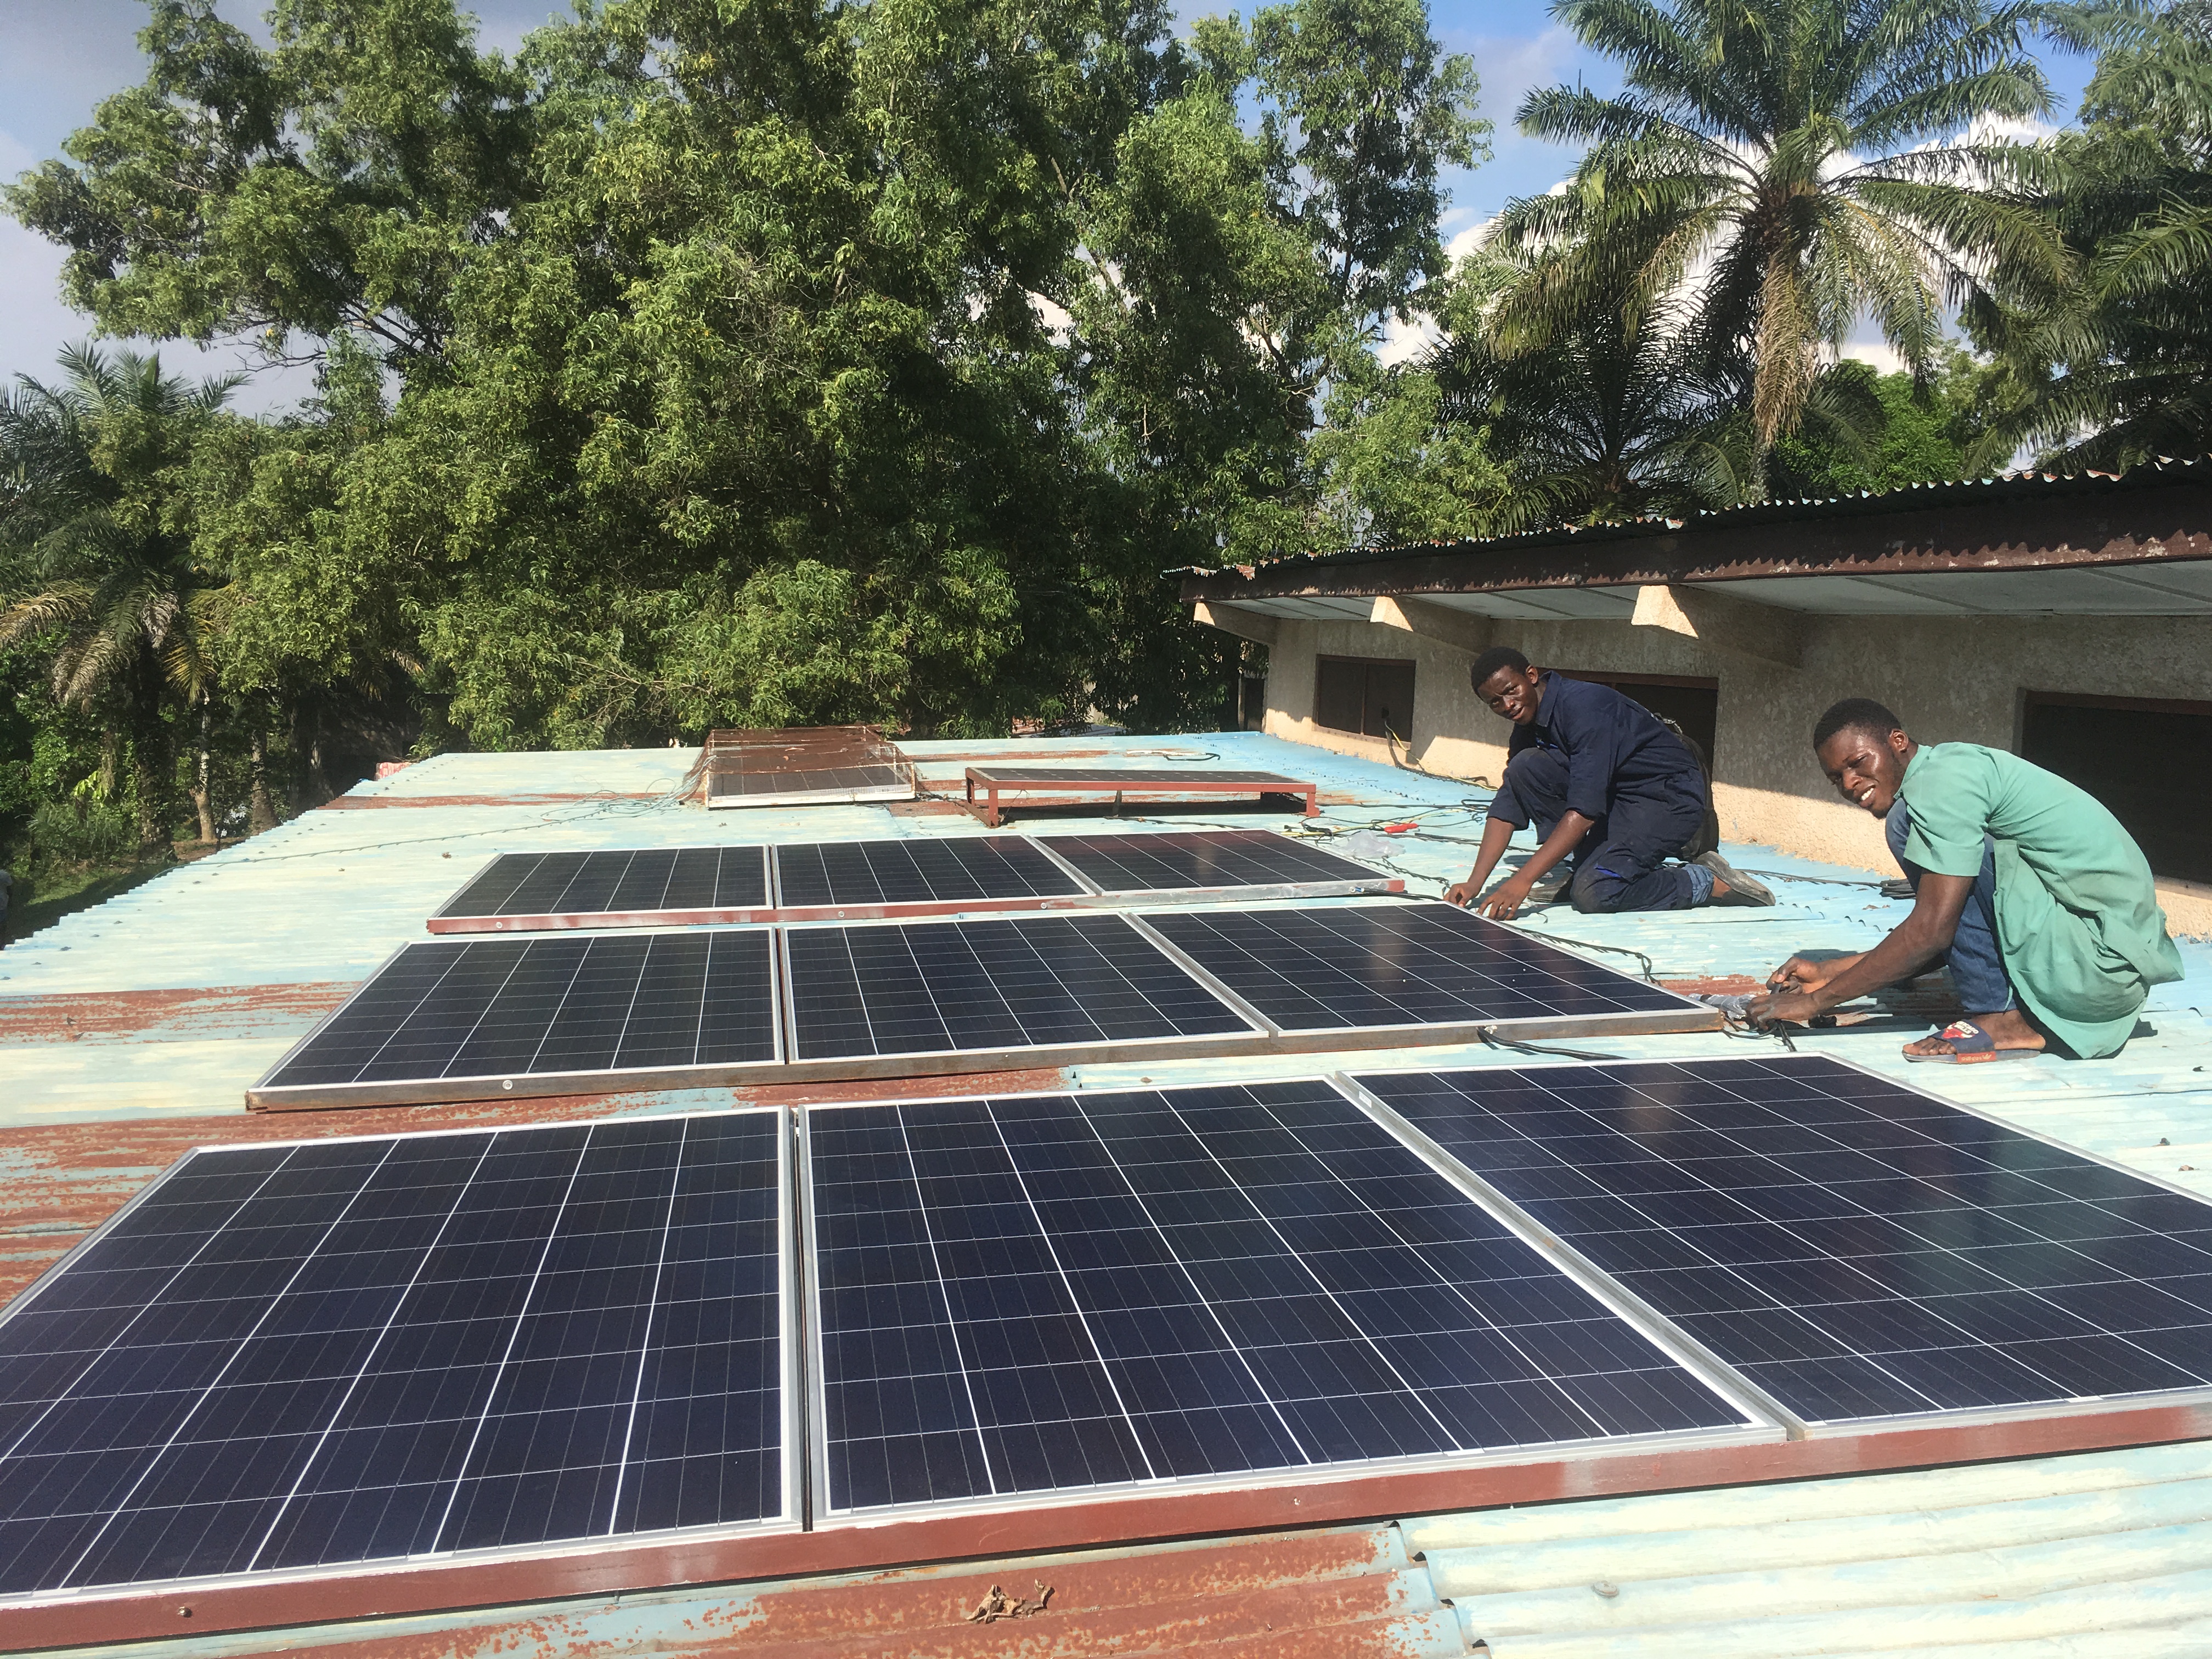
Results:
732 787
1039 1295
628 880
1168 859
1332 967
350 1351
1858 1249
518 1006
1031 981
913 871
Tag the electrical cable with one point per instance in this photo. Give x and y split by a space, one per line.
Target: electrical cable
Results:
1491 1039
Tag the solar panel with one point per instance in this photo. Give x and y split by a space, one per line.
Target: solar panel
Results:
1856 1248
1339 966
973 987
810 784
1044 1295
543 1006
359 1351
913 871
1169 859
624 881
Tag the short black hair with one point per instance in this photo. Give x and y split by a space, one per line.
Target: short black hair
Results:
1856 714
1497 657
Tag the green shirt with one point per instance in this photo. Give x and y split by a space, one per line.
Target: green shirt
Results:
2078 923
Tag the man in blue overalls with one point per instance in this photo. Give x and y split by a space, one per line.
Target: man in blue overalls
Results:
1610 789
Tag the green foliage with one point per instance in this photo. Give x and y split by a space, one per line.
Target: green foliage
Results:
104 578
77 832
1781 169
1608 416
2112 364
1395 470
1906 441
334 182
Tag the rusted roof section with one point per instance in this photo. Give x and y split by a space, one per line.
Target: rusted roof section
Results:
1348 1592
2022 521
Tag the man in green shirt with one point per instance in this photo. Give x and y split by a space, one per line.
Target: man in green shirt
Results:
2041 903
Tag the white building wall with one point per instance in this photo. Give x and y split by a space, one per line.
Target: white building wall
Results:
1949 678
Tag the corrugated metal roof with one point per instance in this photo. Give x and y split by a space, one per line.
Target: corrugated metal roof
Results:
130 1032
2107 1550
2026 485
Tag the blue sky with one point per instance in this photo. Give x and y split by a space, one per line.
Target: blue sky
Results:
58 58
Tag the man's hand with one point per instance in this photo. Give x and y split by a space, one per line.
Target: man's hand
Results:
1785 1008
1799 974
1504 901
1459 893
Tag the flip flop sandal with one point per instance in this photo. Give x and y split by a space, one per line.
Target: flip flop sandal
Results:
1970 1046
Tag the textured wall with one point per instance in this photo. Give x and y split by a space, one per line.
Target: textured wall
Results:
1950 678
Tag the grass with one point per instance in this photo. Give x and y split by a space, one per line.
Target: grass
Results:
59 890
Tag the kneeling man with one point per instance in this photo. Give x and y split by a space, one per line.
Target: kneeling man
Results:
2041 903
1608 786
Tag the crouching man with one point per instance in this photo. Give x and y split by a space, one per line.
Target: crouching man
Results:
1611 789
2042 905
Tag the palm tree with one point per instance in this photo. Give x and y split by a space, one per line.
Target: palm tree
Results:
1600 420
1780 168
99 566
2121 357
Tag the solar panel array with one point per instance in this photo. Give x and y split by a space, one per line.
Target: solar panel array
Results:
357 1351
1856 1248
1046 1295
752 883
456 1021
348 1351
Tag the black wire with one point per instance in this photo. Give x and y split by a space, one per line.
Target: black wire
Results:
1492 1040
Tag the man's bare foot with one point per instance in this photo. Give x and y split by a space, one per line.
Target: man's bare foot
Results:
2007 1030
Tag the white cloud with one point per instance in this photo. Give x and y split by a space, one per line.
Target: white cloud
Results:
1403 341
1878 354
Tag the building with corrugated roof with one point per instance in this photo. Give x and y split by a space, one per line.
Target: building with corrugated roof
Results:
2066 619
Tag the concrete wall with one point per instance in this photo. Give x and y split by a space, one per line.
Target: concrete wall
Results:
1949 679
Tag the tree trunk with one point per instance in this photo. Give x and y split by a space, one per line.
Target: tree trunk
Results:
151 782
261 810
153 774
296 781
203 791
